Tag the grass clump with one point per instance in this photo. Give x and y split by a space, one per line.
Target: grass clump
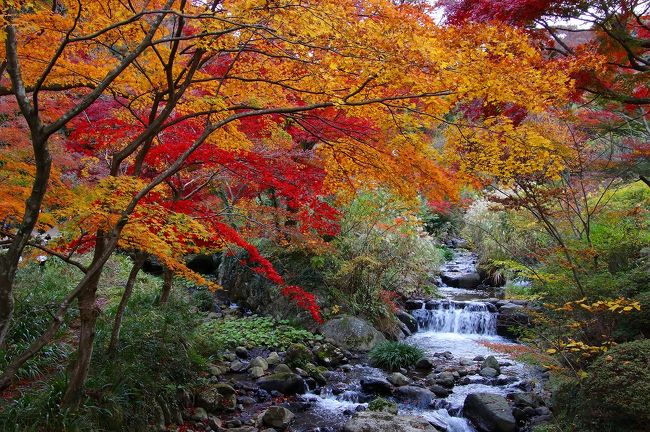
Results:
395 355
254 331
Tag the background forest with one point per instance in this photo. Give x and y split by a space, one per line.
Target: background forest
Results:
180 179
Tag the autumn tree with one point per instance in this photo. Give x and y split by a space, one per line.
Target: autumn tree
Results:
176 81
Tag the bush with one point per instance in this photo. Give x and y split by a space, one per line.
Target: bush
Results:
384 405
215 335
617 391
395 355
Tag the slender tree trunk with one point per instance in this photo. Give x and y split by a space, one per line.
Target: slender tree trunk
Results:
88 314
168 280
6 304
43 164
128 290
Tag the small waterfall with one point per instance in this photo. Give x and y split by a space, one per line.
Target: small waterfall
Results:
447 316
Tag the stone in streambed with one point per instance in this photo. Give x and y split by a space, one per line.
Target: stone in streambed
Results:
489 412
376 386
375 421
488 372
286 383
416 396
491 362
277 417
397 379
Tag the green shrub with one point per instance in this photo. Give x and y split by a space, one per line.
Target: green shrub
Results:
395 355
381 404
617 391
203 298
215 335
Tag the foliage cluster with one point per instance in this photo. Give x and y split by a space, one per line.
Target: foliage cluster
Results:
214 336
381 253
395 355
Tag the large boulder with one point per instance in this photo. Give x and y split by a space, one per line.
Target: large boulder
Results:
512 315
216 398
469 280
376 386
277 417
408 320
352 333
374 421
285 382
489 412
415 396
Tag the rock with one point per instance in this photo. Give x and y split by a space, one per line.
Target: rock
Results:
511 315
285 383
488 372
217 369
424 364
445 379
374 421
489 412
329 356
376 386
526 399
259 362
256 372
241 352
238 366
416 396
282 368
491 362
298 355
408 320
479 358
216 398
273 359
397 379
316 374
199 414
413 304
469 280
352 333
277 417
440 391
465 362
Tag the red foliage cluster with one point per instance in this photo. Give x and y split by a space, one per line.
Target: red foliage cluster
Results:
303 299
515 12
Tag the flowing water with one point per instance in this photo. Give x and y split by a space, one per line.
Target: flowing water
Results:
457 329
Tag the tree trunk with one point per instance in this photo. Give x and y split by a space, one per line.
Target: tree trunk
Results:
6 305
138 262
43 164
88 314
168 279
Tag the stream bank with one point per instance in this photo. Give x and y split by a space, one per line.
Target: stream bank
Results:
463 384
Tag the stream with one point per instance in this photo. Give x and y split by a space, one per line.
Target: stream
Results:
453 331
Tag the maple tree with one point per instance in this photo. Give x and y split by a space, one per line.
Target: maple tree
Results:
161 101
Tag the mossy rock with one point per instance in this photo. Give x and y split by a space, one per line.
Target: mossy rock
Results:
298 355
383 405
